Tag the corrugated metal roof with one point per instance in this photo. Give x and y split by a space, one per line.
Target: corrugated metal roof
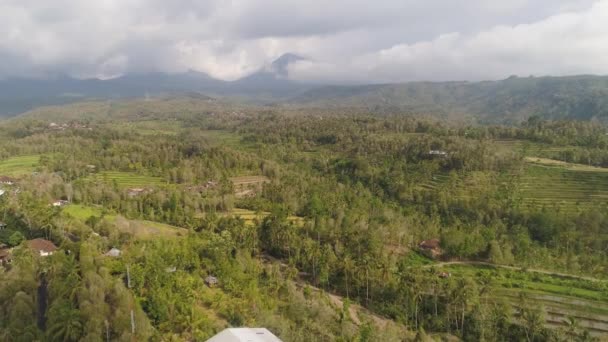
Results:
245 335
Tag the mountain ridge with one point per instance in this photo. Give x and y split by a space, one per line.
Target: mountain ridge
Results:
265 85
511 100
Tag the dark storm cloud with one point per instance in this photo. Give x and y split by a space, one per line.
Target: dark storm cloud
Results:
354 40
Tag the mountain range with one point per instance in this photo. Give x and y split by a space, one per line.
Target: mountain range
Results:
269 84
510 100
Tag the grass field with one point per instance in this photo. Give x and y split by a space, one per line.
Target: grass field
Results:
250 216
127 179
146 230
81 212
17 166
141 229
223 138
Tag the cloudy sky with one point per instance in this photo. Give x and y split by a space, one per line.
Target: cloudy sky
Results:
359 41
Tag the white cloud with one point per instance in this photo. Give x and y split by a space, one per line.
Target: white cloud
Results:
350 40
566 43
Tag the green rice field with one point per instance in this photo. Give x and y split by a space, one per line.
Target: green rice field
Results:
250 217
560 298
563 189
127 179
17 166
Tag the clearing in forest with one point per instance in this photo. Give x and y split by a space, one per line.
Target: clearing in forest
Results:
248 185
567 166
150 127
528 148
248 180
17 166
561 297
141 229
563 188
250 216
223 138
127 179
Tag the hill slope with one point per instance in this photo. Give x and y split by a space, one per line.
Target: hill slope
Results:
268 84
513 99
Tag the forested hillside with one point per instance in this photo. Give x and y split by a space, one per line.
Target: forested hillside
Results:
176 218
506 101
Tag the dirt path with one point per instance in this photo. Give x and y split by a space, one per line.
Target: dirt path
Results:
513 268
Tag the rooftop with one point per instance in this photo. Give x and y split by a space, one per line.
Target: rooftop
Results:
245 335
430 244
42 245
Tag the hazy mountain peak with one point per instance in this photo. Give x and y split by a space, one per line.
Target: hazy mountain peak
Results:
280 65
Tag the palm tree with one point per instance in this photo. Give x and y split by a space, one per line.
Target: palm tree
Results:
348 266
65 324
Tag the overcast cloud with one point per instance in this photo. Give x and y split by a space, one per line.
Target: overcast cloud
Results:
346 40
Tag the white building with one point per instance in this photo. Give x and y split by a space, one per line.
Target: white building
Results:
114 252
245 335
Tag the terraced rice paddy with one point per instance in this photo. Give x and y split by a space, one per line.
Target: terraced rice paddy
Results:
528 148
250 217
127 179
17 166
559 301
248 180
591 315
248 185
563 189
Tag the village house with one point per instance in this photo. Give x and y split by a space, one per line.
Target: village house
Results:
114 253
42 246
245 335
5 255
134 192
7 180
211 281
431 248
444 275
202 188
59 203
438 153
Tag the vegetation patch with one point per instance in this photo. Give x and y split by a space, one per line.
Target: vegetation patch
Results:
562 188
567 166
21 165
127 179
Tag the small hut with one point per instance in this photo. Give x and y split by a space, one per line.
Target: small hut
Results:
431 248
211 281
114 253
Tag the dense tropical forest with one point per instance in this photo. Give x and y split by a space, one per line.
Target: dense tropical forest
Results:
174 218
